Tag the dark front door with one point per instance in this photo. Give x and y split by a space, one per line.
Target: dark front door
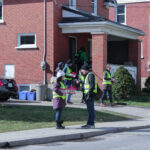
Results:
73 50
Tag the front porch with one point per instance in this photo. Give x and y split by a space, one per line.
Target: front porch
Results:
106 42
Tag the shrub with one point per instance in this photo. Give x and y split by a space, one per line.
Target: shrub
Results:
147 85
125 86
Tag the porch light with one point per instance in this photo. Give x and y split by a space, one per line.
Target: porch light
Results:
110 3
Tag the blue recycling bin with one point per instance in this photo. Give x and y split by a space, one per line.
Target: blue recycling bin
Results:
23 95
31 96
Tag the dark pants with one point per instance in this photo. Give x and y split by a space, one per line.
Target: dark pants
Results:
91 110
58 114
104 94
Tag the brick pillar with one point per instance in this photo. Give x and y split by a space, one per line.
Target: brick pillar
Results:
135 57
99 55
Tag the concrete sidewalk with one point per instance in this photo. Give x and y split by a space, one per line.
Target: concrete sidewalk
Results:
47 135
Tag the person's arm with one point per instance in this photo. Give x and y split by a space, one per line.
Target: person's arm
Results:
91 79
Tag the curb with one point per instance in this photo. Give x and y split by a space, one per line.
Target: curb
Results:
76 136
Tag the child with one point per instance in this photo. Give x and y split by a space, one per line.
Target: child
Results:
59 99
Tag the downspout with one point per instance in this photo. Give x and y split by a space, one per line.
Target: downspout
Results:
44 55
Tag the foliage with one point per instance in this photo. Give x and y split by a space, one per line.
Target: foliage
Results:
125 86
147 85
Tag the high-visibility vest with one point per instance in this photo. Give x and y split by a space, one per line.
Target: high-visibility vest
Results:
87 85
108 76
68 73
81 78
55 95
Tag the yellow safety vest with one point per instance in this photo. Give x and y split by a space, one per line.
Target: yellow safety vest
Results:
87 86
68 73
56 95
82 79
107 81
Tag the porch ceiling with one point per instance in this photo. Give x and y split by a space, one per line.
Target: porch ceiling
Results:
83 22
101 27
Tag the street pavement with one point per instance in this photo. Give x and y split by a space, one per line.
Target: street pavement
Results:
133 140
48 135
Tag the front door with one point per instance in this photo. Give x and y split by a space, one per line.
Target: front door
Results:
73 51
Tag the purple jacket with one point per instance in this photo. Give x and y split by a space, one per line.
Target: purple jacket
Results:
58 102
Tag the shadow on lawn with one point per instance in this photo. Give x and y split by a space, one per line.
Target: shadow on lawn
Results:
37 114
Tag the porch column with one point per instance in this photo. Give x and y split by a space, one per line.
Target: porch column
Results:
99 55
135 57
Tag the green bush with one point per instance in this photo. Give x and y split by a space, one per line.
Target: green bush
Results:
147 85
125 86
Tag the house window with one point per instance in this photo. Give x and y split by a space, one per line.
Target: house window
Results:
72 3
1 9
121 14
94 7
26 41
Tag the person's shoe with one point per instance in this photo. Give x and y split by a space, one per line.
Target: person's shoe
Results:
69 102
102 105
59 125
88 127
112 104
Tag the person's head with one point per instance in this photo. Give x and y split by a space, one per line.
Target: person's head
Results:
69 62
60 65
108 67
84 69
60 75
82 48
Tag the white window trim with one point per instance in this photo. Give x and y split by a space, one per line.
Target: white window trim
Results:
142 49
125 12
74 4
25 46
95 8
2 20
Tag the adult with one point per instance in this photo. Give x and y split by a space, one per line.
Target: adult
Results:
107 85
68 78
60 66
59 99
90 91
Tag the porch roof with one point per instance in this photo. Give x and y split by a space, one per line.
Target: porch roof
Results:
79 21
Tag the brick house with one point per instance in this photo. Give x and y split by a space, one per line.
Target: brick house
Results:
136 13
36 32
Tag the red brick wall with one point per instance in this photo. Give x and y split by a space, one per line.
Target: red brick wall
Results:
25 16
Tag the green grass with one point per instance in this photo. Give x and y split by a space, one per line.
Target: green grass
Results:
14 118
142 100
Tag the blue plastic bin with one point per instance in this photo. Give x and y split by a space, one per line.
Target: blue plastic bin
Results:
23 95
31 96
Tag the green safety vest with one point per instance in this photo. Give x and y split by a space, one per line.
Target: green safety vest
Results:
68 73
107 81
55 95
87 86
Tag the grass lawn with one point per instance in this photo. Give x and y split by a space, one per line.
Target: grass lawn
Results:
142 100
14 118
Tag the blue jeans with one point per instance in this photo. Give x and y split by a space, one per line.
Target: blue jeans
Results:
104 94
58 114
91 111
68 95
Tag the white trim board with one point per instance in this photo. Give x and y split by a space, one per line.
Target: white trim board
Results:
131 1
100 28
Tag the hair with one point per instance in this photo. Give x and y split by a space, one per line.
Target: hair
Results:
59 79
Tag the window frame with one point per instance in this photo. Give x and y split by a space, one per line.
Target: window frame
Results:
1 20
25 46
121 14
95 7
74 4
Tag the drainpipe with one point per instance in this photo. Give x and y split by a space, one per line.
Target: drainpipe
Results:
43 63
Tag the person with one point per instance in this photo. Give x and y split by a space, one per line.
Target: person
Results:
59 98
107 85
83 56
68 78
90 91
60 66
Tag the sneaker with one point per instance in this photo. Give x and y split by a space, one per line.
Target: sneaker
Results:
102 105
112 104
88 127
69 102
